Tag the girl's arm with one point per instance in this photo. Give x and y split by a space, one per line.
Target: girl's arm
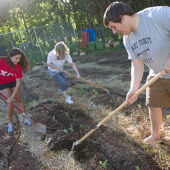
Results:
18 85
51 65
75 69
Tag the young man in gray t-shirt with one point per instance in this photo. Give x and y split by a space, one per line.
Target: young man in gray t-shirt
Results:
147 41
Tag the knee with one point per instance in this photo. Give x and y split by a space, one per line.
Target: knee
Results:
18 100
63 83
9 107
151 109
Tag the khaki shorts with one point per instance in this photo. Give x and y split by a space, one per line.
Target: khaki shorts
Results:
158 94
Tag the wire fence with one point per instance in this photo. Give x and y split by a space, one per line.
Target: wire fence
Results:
37 42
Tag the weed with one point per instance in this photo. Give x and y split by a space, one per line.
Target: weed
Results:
66 131
83 91
43 167
103 164
137 168
139 106
66 114
95 92
53 117
82 126
74 117
71 128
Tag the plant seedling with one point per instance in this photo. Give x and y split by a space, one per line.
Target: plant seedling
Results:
103 164
66 114
65 131
95 92
74 117
71 128
139 106
82 126
137 168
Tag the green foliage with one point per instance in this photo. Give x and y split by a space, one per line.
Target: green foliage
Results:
137 168
139 106
66 114
104 164
65 131
82 126
50 28
83 90
95 92
53 117
74 117
43 166
71 128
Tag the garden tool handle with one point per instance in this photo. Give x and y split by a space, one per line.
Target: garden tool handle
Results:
93 84
120 107
149 83
19 110
167 71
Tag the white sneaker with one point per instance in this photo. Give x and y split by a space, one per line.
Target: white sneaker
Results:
69 97
10 128
27 122
69 101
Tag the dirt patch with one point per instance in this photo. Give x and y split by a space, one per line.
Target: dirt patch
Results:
116 145
17 158
67 124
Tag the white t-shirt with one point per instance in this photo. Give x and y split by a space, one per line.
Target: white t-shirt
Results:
150 43
52 59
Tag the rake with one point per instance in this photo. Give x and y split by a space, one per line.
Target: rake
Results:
118 109
93 84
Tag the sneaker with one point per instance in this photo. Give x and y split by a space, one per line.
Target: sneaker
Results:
27 122
69 101
69 97
10 128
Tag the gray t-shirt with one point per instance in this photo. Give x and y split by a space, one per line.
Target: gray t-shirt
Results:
150 43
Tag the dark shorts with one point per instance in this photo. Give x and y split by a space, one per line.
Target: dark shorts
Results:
7 85
158 94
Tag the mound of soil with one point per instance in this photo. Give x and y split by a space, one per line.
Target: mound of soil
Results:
67 124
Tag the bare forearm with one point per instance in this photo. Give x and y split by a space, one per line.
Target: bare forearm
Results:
75 68
51 66
137 70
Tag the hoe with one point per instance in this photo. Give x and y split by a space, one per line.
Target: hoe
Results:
38 127
118 109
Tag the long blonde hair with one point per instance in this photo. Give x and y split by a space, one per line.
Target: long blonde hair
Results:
60 50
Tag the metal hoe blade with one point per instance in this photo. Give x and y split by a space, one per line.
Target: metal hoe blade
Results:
41 128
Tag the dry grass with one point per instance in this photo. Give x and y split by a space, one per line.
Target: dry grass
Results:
59 161
136 125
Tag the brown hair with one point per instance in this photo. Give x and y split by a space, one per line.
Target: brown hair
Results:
24 63
114 12
61 50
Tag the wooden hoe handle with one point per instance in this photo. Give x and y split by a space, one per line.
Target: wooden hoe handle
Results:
93 84
120 107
